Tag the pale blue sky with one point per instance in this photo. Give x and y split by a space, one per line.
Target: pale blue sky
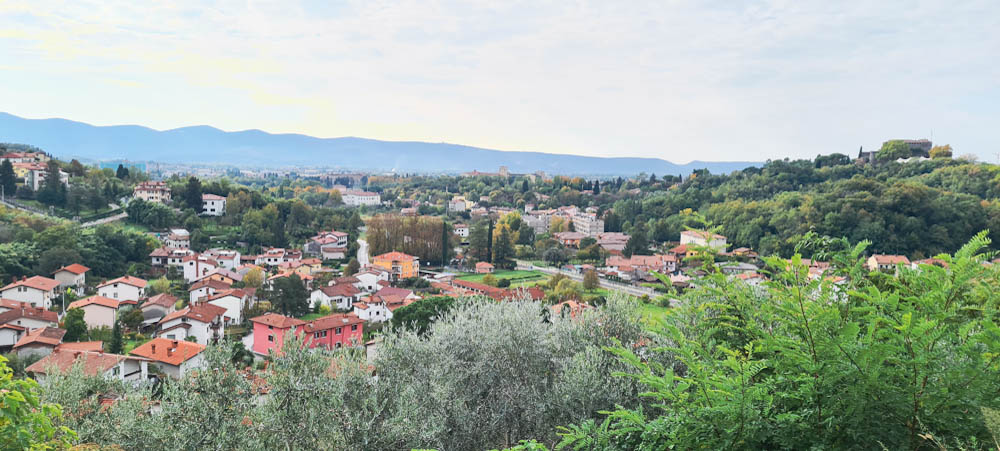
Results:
679 80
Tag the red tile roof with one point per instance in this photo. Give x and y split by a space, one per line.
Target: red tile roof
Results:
94 346
205 313
28 311
171 352
276 320
163 299
341 290
331 321
127 280
217 285
99 300
75 268
94 363
43 335
36 282
394 256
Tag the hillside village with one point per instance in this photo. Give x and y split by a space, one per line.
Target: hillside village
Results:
178 267
188 296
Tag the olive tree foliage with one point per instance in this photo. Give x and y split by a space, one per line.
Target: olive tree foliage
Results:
492 374
904 362
483 375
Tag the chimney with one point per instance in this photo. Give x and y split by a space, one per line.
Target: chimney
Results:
153 348
173 344
170 352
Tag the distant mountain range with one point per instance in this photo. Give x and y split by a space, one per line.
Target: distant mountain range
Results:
254 148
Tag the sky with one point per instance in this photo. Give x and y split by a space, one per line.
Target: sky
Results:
672 79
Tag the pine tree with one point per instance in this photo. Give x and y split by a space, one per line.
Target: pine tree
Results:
192 194
115 346
8 180
489 242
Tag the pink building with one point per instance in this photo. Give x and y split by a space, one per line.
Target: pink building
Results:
331 331
335 331
269 331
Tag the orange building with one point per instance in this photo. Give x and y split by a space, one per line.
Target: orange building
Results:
398 264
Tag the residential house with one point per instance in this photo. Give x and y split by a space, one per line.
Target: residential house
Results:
213 205
232 300
701 238
22 318
569 239
368 280
886 263
378 307
197 266
177 239
663 263
127 288
334 331
111 366
326 237
37 290
204 322
458 204
462 230
39 342
167 256
72 277
340 296
156 307
398 264
205 288
98 311
222 275
37 173
276 256
612 241
269 332
157 192
172 357
227 259
484 268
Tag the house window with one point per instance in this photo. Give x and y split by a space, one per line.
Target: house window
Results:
354 327
270 327
115 371
337 345
270 338
338 331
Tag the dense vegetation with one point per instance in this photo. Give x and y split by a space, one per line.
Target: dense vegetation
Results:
904 361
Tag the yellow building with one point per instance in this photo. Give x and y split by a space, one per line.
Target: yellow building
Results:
398 264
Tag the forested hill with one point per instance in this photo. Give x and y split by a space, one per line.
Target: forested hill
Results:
917 208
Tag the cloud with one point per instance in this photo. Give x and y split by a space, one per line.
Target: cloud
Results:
679 80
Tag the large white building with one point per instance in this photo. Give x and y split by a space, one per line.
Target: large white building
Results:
152 192
213 205
359 198
703 239
588 224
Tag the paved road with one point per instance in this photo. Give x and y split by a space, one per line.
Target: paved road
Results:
362 252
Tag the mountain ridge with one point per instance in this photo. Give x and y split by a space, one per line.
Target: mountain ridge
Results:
67 138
